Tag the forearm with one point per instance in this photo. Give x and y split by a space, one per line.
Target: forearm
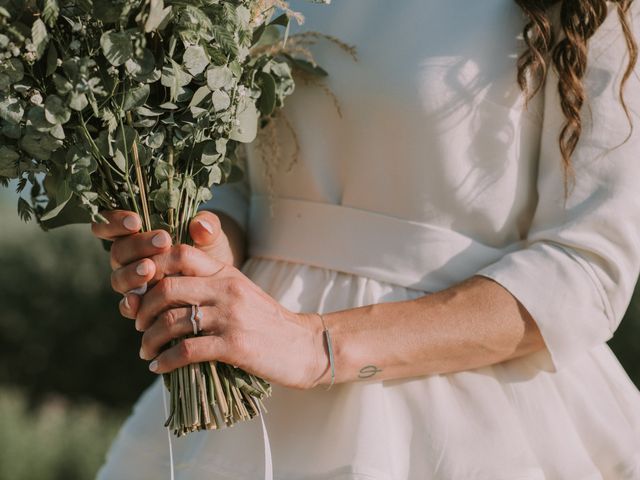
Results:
469 325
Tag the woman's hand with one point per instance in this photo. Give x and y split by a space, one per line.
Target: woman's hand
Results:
241 324
130 248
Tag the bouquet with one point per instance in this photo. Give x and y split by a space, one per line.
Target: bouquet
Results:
142 105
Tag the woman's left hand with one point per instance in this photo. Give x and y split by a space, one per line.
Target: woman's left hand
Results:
241 324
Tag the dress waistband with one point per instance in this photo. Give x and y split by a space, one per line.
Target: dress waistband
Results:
411 254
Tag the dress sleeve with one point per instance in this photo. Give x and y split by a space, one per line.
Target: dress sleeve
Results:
232 199
577 270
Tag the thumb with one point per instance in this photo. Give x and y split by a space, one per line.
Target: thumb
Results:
205 229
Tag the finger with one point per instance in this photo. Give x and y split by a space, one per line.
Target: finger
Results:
133 276
129 305
204 229
191 350
137 246
185 260
174 292
176 323
121 222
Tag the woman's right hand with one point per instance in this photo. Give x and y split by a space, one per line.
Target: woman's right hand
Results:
132 250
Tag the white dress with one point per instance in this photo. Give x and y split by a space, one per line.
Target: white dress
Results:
435 172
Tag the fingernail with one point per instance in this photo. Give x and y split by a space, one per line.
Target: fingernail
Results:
131 223
137 325
142 354
140 290
125 303
161 240
206 225
142 269
153 366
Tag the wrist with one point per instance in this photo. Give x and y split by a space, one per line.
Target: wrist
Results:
324 359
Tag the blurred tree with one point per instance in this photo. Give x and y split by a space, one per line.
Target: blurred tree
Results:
61 330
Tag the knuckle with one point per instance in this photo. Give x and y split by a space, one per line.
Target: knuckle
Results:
169 319
235 287
182 253
234 312
186 350
165 286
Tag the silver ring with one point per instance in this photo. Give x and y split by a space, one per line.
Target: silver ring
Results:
196 316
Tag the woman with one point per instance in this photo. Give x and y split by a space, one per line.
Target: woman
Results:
471 256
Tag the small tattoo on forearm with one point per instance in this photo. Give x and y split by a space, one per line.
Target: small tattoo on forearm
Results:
368 371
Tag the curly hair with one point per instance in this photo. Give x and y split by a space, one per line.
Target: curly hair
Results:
578 20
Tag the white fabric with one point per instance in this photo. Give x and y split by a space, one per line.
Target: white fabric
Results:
436 172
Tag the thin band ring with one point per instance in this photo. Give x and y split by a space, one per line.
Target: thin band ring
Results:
196 316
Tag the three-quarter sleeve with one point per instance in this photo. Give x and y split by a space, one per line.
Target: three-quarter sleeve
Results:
232 199
580 262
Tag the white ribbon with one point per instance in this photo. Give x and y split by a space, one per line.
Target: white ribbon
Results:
166 415
268 461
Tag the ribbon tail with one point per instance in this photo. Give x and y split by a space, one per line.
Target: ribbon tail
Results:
166 415
268 462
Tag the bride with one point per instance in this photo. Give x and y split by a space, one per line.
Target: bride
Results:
467 228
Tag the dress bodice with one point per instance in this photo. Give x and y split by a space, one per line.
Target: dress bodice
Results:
432 130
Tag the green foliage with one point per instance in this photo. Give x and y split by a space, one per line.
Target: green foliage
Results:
74 75
626 340
55 441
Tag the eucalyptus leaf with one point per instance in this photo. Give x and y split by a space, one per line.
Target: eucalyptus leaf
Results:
57 131
55 110
78 101
116 47
158 16
13 68
210 154
136 97
166 199
39 145
8 159
62 84
219 77
11 109
220 100
11 130
247 122
141 65
120 161
190 187
155 140
215 174
195 59
164 171
54 210
267 100
199 95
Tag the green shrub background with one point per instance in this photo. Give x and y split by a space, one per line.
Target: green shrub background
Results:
69 365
